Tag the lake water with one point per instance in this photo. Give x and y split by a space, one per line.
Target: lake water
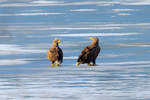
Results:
27 28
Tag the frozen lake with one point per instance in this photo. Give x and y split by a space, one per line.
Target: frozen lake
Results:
27 28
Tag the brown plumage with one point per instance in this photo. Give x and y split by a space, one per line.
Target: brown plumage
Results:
89 53
55 53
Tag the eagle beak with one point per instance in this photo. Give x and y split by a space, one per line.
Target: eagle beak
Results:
91 38
58 41
77 64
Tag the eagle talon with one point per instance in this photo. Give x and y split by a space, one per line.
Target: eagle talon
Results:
52 65
90 64
94 65
57 65
77 64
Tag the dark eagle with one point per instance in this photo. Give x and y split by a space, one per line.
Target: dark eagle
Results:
55 53
89 53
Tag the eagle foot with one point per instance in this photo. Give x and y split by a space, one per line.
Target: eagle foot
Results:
57 65
77 64
52 65
91 64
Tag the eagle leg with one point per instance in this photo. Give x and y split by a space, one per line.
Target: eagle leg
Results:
90 64
77 64
52 65
94 63
57 63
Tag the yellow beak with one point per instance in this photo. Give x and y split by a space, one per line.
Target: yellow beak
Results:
58 41
91 38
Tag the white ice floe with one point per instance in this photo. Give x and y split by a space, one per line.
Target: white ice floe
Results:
46 2
83 10
76 3
30 14
71 57
94 34
123 14
79 28
33 11
123 10
13 62
73 26
134 45
127 63
6 49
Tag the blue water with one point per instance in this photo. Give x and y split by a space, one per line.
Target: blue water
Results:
27 28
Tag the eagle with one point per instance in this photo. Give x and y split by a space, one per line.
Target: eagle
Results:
55 53
89 53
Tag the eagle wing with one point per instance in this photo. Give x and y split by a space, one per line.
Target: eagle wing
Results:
55 54
60 55
48 54
52 54
84 54
96 52
88 54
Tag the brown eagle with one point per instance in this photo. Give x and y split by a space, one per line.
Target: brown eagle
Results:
55 53
89 53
